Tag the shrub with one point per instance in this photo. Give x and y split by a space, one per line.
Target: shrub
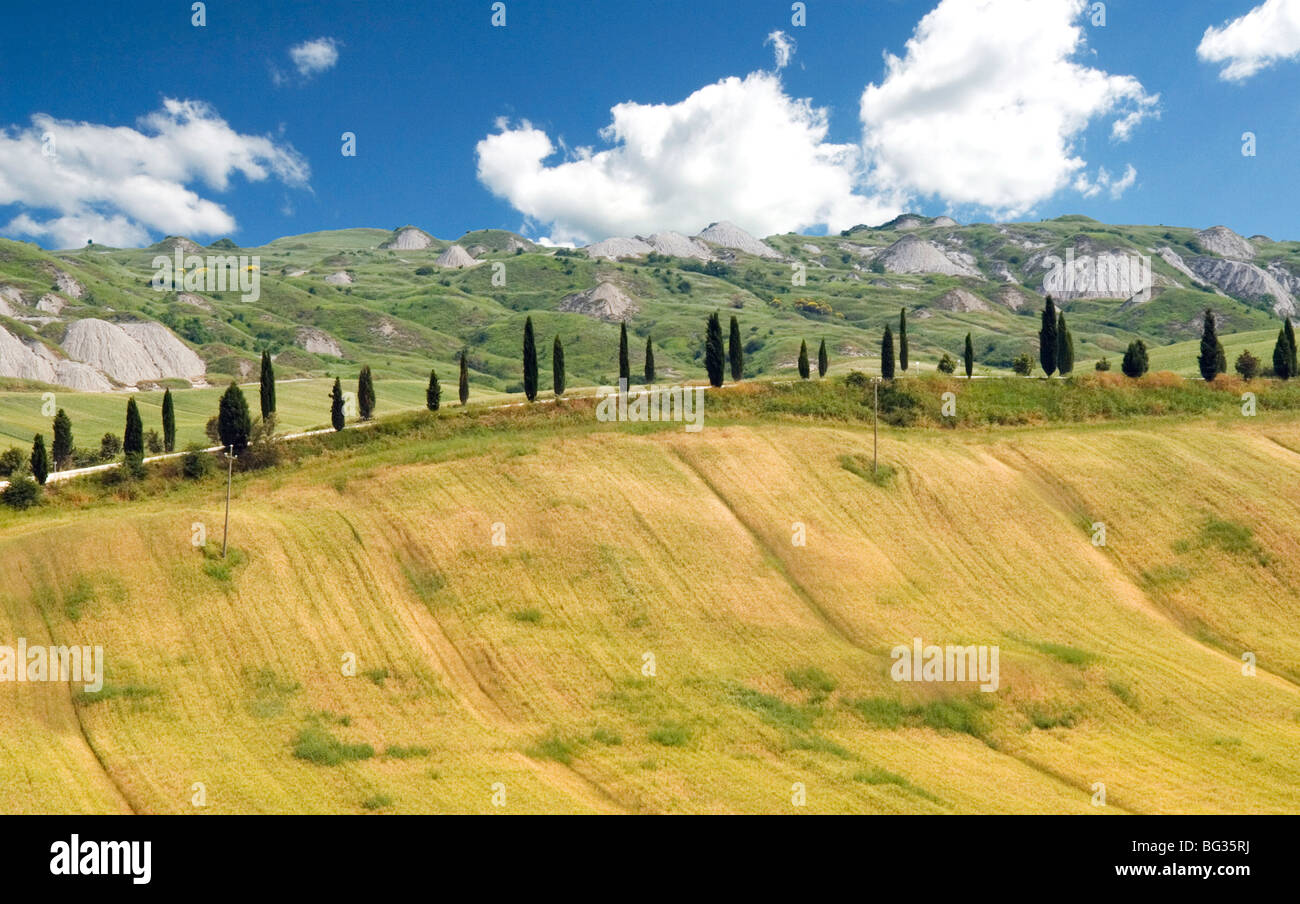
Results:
196 463
1247 365
22 492
1024 365
946 364
1103 365
110 447
11 460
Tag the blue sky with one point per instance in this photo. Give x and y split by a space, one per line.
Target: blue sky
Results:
421 85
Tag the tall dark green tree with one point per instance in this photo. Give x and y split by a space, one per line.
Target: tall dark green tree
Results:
735 351
624 362
714 358
133 437
1212 359
337 418
464 379
804 371
267 386
968 357
169 422
902 340
1064 347
887 354
1290 338
234 424
530 360
649 361
433 395
62 450
557 367
1047 338
366 393
40 460
1135 362
823 360
1282 356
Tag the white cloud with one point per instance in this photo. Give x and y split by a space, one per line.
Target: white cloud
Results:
783 48
118 185
314 57
1268 33
740 149
1090 188
987 103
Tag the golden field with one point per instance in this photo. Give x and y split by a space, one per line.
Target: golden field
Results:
519 670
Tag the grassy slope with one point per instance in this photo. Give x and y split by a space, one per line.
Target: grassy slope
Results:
521 664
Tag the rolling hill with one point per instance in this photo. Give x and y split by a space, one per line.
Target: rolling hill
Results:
644 636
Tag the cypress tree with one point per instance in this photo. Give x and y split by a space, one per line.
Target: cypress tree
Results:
1047 338
887 354
62 451
40 460
337 419
366 393
557 368
735 351
267 386
902 340
713 355
803 360
1212 359
1282 357
624 365
1064 347
530 361
823 360
1135 362
649 362
234 424
464 379
133 438
1290 338
169 422
968 356
433 395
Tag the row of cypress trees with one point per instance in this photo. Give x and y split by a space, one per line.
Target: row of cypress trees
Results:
63 449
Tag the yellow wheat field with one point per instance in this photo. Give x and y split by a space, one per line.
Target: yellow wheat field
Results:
646 636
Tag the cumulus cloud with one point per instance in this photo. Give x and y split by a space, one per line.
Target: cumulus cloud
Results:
783 48
1267 34
117 185
1091 188
987 103
314 57
740 150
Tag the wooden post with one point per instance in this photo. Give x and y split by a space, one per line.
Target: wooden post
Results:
230 470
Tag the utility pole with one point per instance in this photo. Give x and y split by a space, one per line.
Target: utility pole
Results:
875 429
230 470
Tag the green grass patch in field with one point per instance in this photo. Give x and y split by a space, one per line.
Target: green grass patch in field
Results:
318 745
377 802
671 734
553 747
964 716
528 616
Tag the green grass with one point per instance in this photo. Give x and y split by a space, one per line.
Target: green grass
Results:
317 745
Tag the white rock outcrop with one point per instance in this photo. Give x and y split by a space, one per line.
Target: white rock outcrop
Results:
1244 280
1224 242
318 342
960 301
912 254
618 248
33 361
408 238
455 257
674 244
131 352
604 302
725 234
340 278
